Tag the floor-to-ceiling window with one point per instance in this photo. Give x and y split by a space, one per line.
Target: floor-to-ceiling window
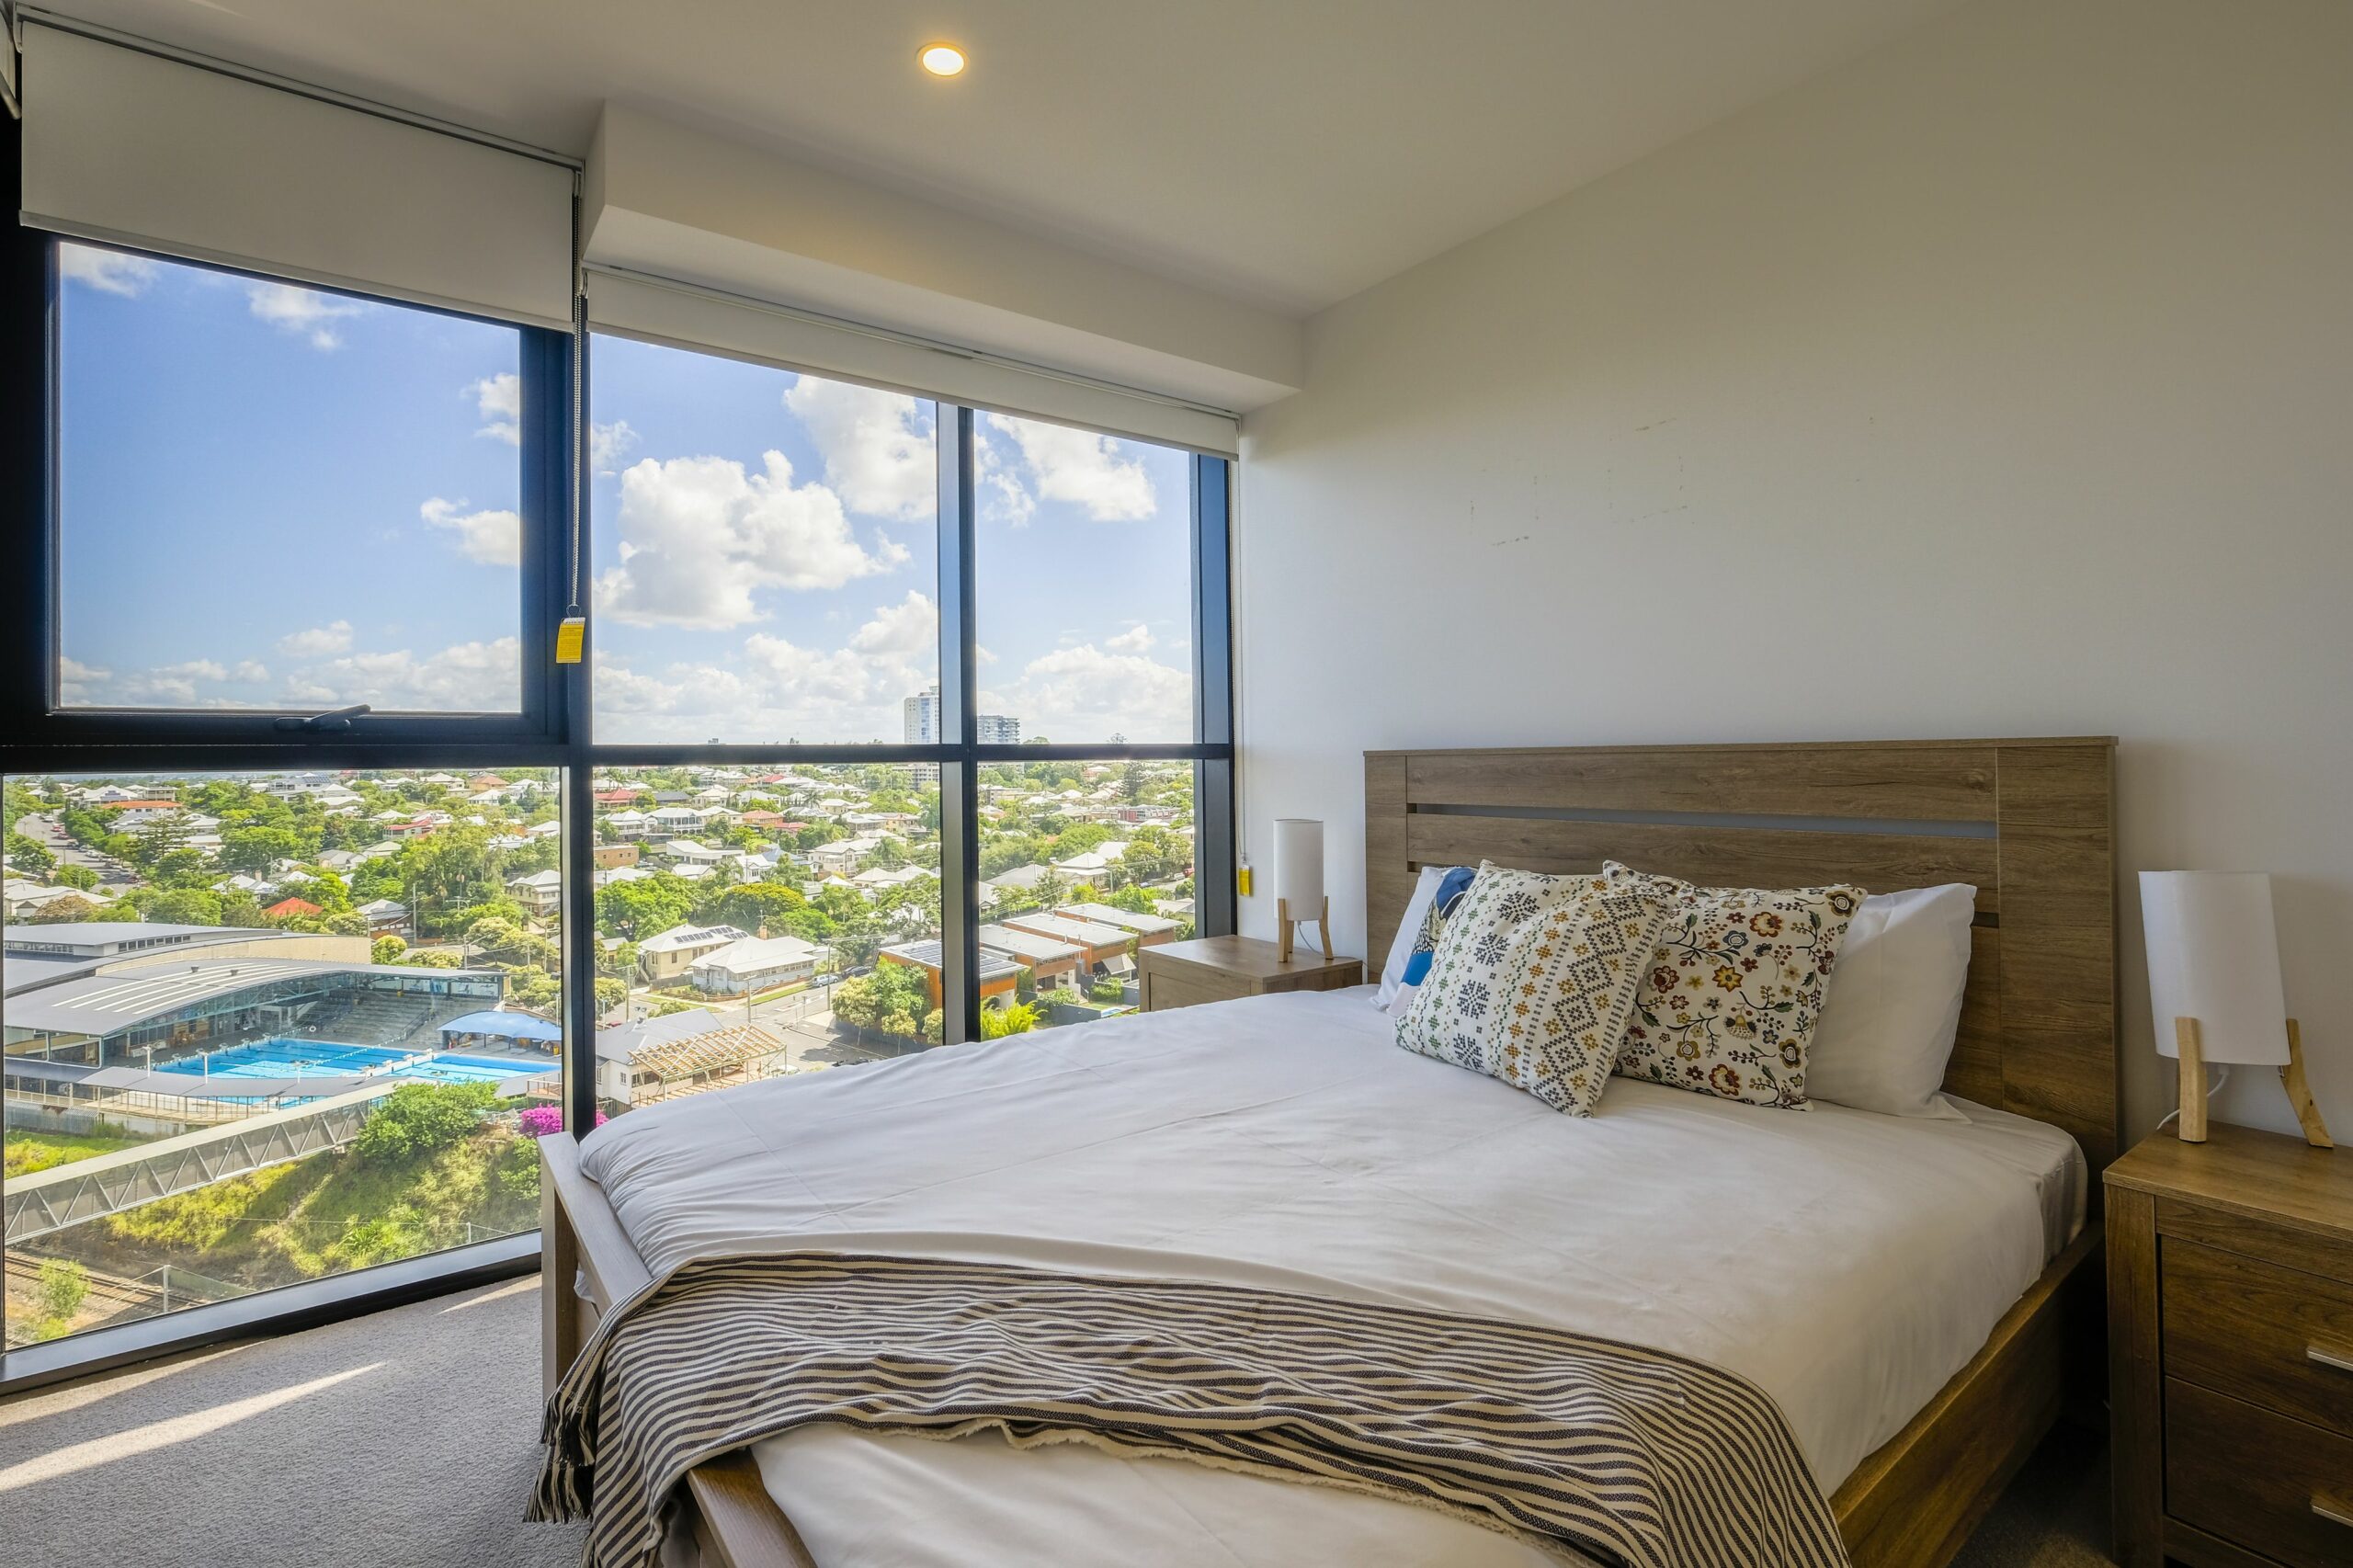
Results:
330 890
283 832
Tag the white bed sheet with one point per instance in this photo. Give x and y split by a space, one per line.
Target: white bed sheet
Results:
1849 1263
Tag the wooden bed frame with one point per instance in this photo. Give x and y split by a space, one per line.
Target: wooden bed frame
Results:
2029 822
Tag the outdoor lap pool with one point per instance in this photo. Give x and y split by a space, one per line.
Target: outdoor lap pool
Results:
325 1059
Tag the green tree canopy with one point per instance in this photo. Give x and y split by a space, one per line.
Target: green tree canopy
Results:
27 858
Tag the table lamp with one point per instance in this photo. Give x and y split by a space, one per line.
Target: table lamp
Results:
2214 988
1298 880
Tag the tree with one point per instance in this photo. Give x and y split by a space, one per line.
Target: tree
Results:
755 906
1155 854
62 1286
417 1120
610 993
504 941
894 999
436 958
255 849
1020 1018
74 877
387 949
66 912
180 868
26 858
644 908
184 906
532 988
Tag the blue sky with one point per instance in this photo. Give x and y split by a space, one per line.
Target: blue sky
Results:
251 475
274 497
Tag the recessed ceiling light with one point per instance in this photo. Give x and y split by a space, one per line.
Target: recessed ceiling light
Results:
941 58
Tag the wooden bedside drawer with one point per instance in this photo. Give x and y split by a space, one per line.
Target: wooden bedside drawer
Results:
2259 1480
2274 1337
1164 990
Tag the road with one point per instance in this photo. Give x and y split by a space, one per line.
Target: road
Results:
45 832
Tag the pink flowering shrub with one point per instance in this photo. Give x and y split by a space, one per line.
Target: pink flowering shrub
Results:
539 1121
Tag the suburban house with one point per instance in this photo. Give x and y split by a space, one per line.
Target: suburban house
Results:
540 892
1000 976
665 957
1105 947
1149 930
756 963
385 917
1051 961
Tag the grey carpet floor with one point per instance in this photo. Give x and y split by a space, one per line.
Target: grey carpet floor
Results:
410 1439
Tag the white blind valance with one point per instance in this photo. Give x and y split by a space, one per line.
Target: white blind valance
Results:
686 316
128 147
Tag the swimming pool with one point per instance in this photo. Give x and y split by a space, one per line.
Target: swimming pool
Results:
326 1059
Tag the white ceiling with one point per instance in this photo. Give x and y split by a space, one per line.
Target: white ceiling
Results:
1286 153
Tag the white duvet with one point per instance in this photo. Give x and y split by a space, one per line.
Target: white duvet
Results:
1847 1262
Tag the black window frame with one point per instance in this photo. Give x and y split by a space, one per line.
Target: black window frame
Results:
28 705
554 729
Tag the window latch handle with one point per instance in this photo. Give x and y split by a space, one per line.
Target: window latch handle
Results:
332 721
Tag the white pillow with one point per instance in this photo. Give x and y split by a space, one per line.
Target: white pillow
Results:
1417 938
1894 1006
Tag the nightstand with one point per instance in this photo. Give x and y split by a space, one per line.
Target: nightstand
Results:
2229 1312
1217 969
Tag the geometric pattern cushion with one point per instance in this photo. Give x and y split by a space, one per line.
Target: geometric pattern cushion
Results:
1734 986
1532 981
1453 881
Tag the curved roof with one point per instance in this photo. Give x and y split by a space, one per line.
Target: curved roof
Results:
503 1026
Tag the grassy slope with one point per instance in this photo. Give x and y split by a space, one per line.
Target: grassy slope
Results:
327 1213
30 1152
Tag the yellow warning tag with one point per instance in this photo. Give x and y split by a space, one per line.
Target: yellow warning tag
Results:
569 634
1242 881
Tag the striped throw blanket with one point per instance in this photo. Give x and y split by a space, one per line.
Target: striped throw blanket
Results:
1648 1459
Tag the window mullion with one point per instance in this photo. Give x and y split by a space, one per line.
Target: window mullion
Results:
959 785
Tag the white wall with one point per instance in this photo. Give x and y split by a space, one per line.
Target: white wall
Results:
1999 383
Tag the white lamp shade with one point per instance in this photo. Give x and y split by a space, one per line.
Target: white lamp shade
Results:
2215 956
1298 865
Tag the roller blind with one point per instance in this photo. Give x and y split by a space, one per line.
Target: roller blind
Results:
687 317
130 148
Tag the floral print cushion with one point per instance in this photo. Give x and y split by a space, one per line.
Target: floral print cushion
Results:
1733 987
1533 980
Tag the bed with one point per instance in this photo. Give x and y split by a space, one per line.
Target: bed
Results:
1910 1292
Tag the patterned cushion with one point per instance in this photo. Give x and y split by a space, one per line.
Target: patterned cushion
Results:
1733 987
1446 886
1533 980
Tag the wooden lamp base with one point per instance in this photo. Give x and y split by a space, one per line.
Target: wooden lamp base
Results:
1288 927
2192 1128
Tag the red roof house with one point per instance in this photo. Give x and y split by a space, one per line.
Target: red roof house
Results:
286 907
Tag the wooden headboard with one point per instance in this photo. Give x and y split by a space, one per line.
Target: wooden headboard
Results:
2029 822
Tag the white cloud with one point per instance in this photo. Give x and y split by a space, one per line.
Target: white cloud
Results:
163 686
1084 693
609 444
334 637
108 271
493 538
1003 498
772 689
878 456
1081 468
303 311
698 535
466 676
79 684
500 400
1136 639
480 676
